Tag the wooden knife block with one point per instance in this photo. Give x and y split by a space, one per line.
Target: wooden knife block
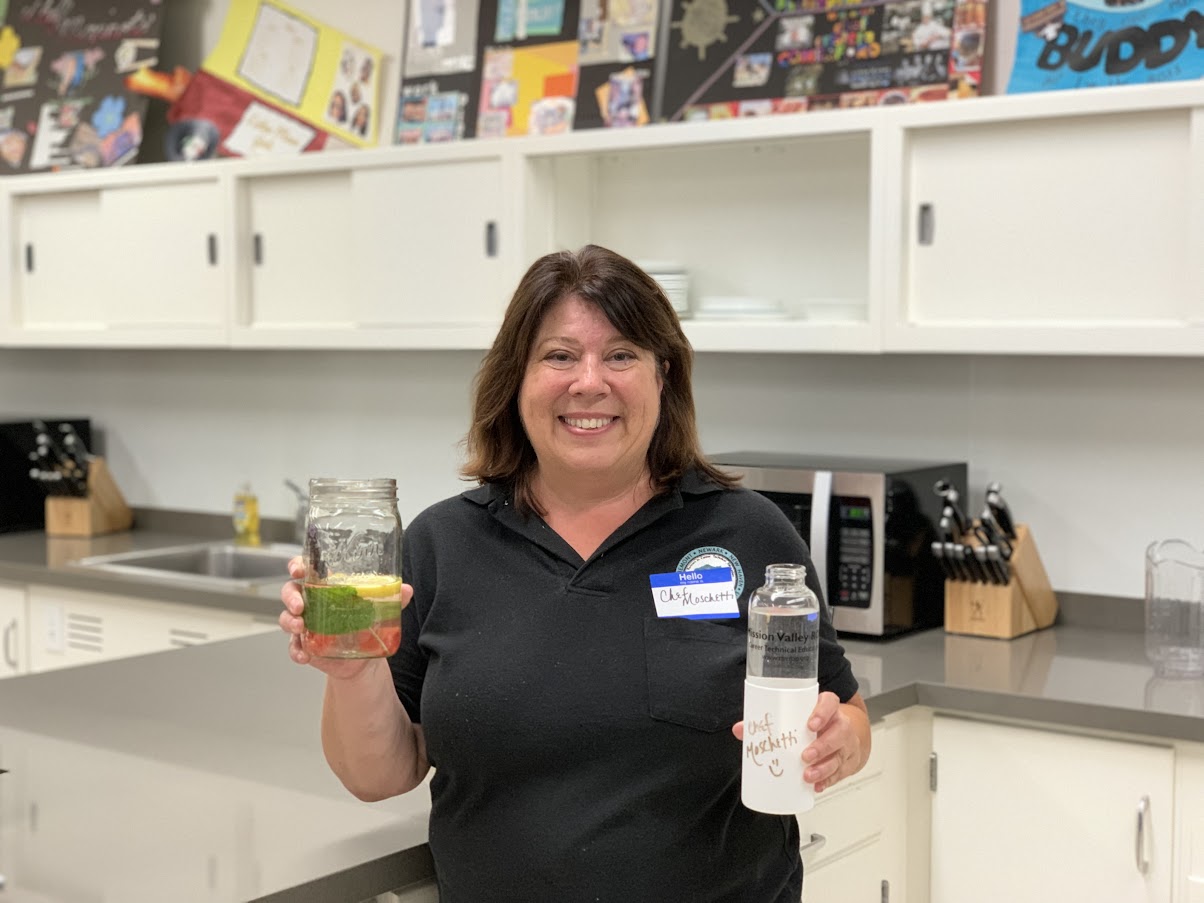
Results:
1026 604
102 510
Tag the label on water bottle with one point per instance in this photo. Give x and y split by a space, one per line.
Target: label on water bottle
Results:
706 593
775 735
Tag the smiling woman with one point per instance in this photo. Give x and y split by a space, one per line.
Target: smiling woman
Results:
579 724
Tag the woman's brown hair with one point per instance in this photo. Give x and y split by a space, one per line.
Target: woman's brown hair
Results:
634 303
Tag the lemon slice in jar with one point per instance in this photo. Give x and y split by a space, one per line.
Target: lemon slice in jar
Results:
368 586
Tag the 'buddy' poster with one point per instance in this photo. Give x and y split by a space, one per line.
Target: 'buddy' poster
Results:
1090 43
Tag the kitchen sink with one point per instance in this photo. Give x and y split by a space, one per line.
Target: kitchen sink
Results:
206 563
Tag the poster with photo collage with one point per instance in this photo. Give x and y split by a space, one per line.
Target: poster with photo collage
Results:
64 103
494 68
799 55
439 71
618 40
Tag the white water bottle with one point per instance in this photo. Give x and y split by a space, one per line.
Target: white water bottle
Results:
781 687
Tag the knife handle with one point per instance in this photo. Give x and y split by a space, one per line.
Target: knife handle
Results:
1000 510
938 552
980 556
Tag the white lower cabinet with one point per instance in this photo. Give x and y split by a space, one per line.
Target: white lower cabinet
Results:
14 631
855 878
854 840
1037 815
70 627
64 808
1189 824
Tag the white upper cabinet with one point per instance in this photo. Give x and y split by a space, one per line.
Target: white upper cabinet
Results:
383 255
1051 228
778 224
1061 223
132 258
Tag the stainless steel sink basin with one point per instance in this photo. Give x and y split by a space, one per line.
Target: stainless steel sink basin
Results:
205 563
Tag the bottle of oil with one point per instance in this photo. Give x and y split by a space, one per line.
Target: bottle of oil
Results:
246 517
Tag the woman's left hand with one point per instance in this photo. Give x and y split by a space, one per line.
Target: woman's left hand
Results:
842 740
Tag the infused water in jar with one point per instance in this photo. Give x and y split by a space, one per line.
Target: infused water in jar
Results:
352 585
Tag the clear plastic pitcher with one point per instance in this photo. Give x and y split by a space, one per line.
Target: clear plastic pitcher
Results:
1174 608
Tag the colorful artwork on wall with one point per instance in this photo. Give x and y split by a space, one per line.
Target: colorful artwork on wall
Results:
64 103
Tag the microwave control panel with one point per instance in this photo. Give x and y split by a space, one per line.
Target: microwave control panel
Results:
850 543
854 548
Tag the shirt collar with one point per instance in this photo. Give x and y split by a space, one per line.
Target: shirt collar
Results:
691 483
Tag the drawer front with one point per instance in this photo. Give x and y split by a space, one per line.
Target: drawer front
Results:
855 878
851 814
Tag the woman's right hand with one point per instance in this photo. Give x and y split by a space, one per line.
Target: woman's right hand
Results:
292 623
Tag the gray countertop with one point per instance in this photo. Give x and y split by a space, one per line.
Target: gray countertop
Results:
228 734
34 557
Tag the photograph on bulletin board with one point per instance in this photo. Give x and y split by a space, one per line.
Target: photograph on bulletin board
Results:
441 37
435 109
1092 43
64 103
617 31
519 20
769 58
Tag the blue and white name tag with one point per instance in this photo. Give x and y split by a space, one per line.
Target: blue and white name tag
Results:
705 593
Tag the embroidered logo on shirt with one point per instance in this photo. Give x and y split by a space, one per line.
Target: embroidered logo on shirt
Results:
708 557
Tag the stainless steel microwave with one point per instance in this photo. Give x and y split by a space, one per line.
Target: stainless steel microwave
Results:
869 523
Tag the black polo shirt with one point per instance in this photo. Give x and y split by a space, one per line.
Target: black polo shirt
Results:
582 746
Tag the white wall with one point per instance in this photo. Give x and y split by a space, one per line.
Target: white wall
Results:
1099 456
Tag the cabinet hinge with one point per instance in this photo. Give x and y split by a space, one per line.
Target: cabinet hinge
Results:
932 771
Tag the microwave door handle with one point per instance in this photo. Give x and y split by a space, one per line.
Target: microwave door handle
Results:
821 506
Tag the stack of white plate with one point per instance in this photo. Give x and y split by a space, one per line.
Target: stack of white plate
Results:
674 280
739 307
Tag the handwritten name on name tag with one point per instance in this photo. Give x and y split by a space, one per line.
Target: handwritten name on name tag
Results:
705 593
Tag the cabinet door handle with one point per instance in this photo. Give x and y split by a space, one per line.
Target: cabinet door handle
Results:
29 257
212 246
815 843
10 658
926 224
491 239
257 244
1143 858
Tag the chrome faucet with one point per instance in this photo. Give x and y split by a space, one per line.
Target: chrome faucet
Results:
302 510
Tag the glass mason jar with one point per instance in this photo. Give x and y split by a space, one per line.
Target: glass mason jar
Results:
352 556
